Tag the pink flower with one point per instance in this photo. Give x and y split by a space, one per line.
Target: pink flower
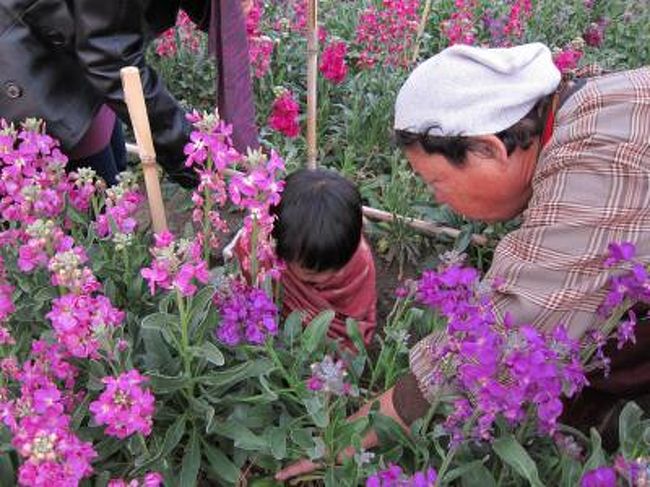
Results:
567 59
77 320
460 28
125 407
385 35
284 115
332 63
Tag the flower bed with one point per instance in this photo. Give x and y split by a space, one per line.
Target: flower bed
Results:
127 361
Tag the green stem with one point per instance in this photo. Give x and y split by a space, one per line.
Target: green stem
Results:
207 208
445 466
185 338
254 262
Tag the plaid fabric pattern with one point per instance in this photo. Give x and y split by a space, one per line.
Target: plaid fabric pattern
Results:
591 187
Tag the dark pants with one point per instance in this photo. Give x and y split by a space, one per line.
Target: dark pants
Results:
108 162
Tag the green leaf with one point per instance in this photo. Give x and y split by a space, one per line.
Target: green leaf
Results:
191 461
292 328
629 427
209 352
238 373
157 356
162 384
478 477
514 455
45 294
277 440
389 431
597 457
242 436
7 473
303 438
316 331
173 437
220 466
200 306
461 471
571 470
316 409
159 321
352 327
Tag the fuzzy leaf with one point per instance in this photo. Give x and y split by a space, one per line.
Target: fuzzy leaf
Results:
316 331
514 455
191 461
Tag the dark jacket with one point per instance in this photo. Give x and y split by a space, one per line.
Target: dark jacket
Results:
60 60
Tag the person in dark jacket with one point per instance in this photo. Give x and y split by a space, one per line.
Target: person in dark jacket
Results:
60 61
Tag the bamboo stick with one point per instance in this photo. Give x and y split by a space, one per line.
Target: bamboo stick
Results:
134 99
421 28
312 81
421 226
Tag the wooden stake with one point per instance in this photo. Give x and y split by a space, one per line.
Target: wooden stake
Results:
312 80
421 28
134 99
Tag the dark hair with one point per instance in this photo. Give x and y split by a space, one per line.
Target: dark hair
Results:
319 220
455 148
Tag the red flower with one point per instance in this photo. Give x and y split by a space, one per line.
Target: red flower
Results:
284 115
333 64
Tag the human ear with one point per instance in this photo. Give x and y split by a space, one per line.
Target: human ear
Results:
494 148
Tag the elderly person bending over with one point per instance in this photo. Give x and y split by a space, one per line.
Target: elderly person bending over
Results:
496 133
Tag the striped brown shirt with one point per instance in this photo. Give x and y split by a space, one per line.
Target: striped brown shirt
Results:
591 187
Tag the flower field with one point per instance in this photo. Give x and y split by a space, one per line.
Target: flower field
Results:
132 359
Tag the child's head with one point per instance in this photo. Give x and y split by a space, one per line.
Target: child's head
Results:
319 220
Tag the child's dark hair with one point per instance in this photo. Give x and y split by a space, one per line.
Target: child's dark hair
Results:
455 148
319 220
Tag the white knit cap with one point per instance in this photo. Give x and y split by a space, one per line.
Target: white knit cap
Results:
466 90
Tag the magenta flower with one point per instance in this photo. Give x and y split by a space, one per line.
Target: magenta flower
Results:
393 476
152 479
460 27
284 115
80 320
256 190
599 477
176 265
184 35
385 34
124 407
332 64
568 58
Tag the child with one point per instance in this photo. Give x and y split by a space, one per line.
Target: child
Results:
329 264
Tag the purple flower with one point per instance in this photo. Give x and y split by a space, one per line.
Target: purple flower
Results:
248 315
599 477
620 252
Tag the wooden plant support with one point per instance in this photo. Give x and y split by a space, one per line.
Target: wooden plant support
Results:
134 99
312 81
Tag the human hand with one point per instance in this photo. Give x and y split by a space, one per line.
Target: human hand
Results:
301 467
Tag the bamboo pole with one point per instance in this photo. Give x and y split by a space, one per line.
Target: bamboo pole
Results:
421 28
420 226
134 99
312 81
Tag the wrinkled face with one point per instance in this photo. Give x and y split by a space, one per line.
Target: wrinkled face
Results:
482 188
308 276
